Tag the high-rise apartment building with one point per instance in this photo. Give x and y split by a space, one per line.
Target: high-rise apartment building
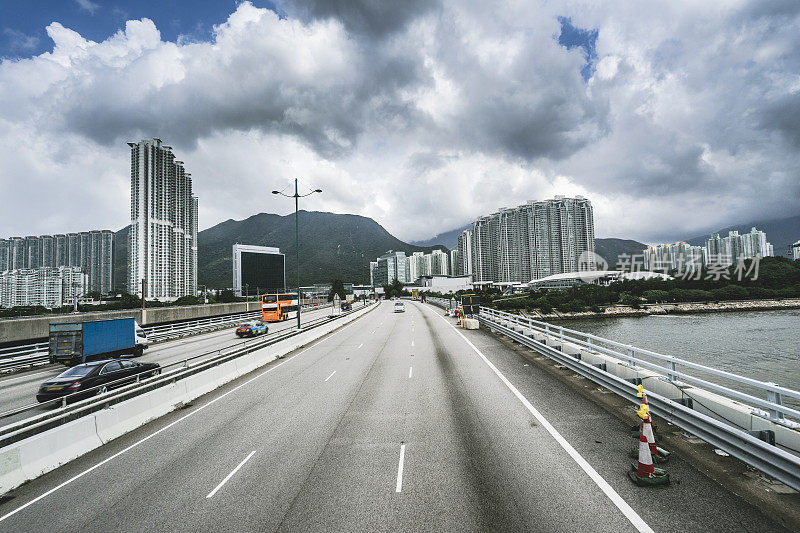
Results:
92 251
390 266
796 250
454 261
440 263
733 248
676 256
5 254
465 253
42 286
415 266
162 246
531 241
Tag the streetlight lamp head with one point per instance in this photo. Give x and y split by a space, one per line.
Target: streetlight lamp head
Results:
275 192
318 190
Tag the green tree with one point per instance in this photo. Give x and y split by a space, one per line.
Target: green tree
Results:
337 287
227 296
655 295
626 298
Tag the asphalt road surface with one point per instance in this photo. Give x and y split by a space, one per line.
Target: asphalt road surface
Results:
19 389
396 422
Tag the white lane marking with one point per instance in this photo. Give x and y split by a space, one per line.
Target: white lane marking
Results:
360 345
329 377
229 476
412 344
181 419
373 331
410 370
607 489
399 486
26 376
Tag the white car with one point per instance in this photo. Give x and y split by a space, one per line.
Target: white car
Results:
399 307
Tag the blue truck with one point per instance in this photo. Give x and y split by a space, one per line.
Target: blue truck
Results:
73 343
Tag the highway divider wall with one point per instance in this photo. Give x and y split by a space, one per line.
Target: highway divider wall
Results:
36 455
37 327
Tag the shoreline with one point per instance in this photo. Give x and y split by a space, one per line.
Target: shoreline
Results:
688 308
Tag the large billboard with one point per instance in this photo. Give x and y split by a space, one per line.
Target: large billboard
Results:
258 270
264 272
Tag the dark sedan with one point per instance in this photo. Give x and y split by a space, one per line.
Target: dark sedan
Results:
99 374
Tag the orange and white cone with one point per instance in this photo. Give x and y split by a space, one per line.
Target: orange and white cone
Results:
646 468
645 474
659 455
647 433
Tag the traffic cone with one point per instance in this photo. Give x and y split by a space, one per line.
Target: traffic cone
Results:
635 432
645 474
659 455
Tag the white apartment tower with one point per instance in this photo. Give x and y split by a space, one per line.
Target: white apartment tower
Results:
531 241
162 245
465 253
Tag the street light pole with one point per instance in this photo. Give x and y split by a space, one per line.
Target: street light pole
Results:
297 197
297 248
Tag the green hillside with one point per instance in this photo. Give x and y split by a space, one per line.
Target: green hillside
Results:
331 246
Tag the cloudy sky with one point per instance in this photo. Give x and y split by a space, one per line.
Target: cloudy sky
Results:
673 117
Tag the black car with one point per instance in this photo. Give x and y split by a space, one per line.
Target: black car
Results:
95 374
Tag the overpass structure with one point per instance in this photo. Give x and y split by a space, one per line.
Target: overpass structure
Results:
393 421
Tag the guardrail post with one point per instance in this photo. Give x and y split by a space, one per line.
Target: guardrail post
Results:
670 372
774 397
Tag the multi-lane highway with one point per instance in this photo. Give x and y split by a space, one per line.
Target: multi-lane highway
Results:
394 422
19 389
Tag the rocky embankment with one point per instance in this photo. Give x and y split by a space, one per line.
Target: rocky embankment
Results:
672 309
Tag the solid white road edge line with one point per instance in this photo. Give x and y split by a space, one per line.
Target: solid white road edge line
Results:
399 486
612 495
329 377
229 476
181 419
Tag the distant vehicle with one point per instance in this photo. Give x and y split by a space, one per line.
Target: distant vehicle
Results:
94 374
346 306
73 343
399 307
252 329
278 307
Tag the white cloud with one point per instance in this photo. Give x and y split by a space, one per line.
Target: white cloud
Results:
88 5
447 113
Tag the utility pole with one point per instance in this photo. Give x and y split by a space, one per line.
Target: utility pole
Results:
297 249
144 291
297 197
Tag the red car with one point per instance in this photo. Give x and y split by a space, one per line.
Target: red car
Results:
251 329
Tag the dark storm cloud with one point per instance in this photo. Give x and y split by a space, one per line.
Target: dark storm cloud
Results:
783 115
372 18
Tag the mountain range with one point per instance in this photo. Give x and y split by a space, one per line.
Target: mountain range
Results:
331 246
341 246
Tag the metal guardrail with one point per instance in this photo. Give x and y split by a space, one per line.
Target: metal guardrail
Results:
771 402
32 354
180 369
768 458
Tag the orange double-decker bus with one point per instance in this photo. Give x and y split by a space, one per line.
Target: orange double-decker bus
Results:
278 307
